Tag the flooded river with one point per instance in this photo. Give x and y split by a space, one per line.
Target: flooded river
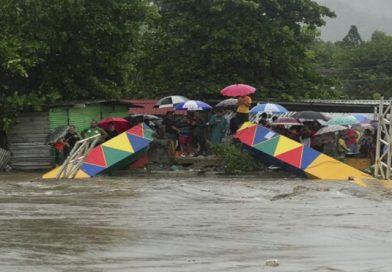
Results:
192 224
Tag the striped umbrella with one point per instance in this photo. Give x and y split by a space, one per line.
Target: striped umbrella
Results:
193 105
343 121
170 101
269 108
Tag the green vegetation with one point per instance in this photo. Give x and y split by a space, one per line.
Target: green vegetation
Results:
78 49
234 159
357 69
67 49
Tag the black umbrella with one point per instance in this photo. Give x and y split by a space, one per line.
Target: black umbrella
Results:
230 103
310 116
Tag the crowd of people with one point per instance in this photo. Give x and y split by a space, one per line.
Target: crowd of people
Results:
64 145
192 134
354 141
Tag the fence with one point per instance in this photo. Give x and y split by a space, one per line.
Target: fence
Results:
5 157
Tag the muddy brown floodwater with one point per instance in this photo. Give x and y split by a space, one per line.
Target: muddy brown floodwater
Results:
192 224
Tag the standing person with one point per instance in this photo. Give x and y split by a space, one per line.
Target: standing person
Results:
218 125
244 103
352 138
367 146
94 130
329 143
185 137
342 147
171 133
112 132
264 120
59 147
70 140
305 136
199 136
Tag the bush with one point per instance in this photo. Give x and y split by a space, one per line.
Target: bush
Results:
233 158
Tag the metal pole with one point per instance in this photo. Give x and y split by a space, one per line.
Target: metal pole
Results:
389 130
378 142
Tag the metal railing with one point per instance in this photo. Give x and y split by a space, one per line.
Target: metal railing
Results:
73 163
383 160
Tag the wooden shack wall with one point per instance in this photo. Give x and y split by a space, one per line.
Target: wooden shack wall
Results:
26 141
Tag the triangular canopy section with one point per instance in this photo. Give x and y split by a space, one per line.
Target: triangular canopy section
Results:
91 169
268 147
308 156
292 157
120 142
263 134
136 130
285 144
114 156
138 143
247 135
96 157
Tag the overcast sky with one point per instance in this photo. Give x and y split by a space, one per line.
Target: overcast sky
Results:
368 15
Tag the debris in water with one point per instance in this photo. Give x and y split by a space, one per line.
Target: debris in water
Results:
272 263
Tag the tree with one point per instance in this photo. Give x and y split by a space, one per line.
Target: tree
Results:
197 47
353 38
66 49
363 71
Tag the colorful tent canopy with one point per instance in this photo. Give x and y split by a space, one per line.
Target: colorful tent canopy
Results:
294 154
115 153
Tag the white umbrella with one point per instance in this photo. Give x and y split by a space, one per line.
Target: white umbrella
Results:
331 129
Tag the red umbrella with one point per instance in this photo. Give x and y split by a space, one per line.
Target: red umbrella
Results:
120 124
238 90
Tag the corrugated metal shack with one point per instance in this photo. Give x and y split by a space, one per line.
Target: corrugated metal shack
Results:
26 139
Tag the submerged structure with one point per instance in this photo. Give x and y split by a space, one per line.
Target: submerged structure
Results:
116 153
273 148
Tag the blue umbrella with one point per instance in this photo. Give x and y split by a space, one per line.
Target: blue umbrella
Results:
193 105
268 108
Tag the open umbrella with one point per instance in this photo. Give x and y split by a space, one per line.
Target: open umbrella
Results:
362 118
57 134
331 129
230 103
268 108
306 116
238 90
343 121
120 124
149 117
170 101
193 105
287 121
